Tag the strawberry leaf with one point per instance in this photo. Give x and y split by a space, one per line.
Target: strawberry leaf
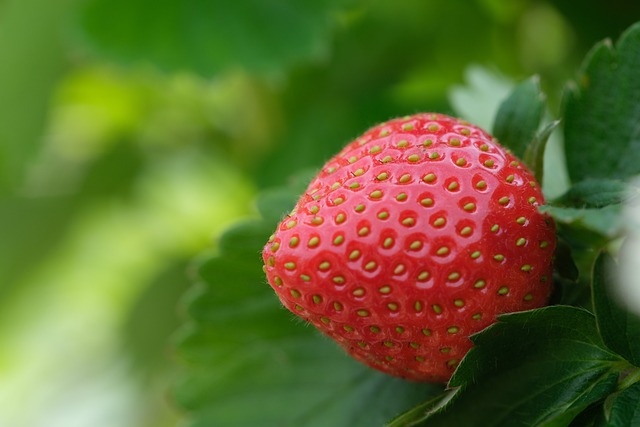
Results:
601 110
590 226
561 365
480 97
248 362
519 117
597 193
422 411
564 263
625 408
274 204
618 327
534 154
209 37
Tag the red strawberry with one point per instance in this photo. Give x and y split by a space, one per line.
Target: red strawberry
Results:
415 236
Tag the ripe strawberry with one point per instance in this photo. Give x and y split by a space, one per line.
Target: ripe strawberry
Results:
415 236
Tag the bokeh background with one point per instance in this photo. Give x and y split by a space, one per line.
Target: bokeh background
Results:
132 132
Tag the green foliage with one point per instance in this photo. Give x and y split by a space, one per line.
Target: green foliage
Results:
209 37
574 363
603 224
30 39
518 125
601 112
132 132
560 363
624 410
619 328
597 193
519 117
612 17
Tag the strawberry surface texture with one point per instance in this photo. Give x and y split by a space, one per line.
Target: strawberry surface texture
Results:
415 236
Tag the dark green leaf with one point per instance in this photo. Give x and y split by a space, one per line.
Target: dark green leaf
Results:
620 329
519 117
597 225
144 333
625 410
597 193
564 263
540 367
543 328
590 417
602 136
611 16
208 37
242 239
274 204
421 412
534 155
569 292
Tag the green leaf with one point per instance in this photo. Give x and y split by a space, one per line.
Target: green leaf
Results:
28 236
144 332
564 264
597 193
479 99
625 410
39 28
611 17
620 329
209 37
421 412
519 117
535 153
273 204
241 241
595 226
540 367
572 293
248 361
602 136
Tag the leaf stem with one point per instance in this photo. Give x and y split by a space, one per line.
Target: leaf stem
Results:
629 377
421 412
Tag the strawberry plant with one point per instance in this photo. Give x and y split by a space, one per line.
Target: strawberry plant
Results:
504 339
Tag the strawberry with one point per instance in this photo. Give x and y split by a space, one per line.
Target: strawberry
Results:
415 236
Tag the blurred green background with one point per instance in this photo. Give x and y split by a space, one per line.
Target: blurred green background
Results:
132 132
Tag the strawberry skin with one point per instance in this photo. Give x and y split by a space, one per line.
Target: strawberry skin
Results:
414 237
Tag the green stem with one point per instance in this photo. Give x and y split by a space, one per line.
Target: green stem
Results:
631 376
424 410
